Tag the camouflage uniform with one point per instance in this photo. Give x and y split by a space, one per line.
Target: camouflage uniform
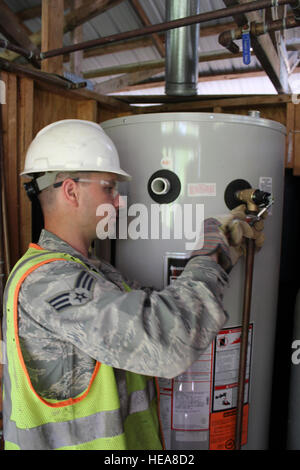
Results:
70 316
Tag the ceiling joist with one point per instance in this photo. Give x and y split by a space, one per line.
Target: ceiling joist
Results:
74 13
71 20
119 83
89 10
154 64
204 102
13 29
36 11
157 40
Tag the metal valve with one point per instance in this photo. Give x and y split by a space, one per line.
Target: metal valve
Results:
241 192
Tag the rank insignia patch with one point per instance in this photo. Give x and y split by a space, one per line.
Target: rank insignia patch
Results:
80 295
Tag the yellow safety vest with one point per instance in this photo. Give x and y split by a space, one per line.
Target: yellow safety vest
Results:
92 420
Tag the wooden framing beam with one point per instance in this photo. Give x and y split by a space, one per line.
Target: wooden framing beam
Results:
72 20
76 17
119 83
12 28
36 11
76 58
52 33
154 64
201 79
30 13
10 141
138 72
58 85
87 11
157 40
115 48
211 30
25 129
218 102
126 68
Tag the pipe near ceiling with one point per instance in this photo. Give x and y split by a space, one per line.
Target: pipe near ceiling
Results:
227 38
182 49
160 27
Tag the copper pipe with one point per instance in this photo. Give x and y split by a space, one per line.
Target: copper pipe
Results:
249 264
29 55
202 17
226 38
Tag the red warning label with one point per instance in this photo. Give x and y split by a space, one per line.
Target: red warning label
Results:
222 429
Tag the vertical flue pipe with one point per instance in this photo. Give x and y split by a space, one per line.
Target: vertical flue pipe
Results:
182 49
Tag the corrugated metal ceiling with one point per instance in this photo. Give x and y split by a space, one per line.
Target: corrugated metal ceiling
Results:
124 18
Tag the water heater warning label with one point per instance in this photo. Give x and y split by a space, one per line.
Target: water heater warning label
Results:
225 389
226 368
204 398
222 429
200 404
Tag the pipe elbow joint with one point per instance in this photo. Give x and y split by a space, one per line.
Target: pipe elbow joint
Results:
225 39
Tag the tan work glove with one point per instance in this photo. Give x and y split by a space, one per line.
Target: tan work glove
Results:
236 229
225 235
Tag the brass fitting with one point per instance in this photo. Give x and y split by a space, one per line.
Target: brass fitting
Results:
253 198
246 196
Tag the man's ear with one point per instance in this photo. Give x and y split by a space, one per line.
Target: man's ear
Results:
71 191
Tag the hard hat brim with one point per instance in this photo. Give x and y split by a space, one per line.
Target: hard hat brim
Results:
121 174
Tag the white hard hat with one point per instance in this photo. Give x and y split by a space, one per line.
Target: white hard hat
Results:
73 145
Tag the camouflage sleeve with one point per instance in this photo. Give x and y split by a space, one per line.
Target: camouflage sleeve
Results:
114 275
158 333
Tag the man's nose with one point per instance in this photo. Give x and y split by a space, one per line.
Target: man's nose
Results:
119 202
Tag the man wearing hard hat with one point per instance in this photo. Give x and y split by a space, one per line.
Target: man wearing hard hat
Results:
82 346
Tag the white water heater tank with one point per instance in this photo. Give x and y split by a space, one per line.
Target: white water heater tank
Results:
192 157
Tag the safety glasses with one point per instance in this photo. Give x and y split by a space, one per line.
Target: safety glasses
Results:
109 187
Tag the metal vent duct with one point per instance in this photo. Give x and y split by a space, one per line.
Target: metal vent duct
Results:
182 49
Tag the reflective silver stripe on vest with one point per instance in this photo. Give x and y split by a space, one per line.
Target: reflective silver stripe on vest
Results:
106 424
70 433
136 401
141 399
